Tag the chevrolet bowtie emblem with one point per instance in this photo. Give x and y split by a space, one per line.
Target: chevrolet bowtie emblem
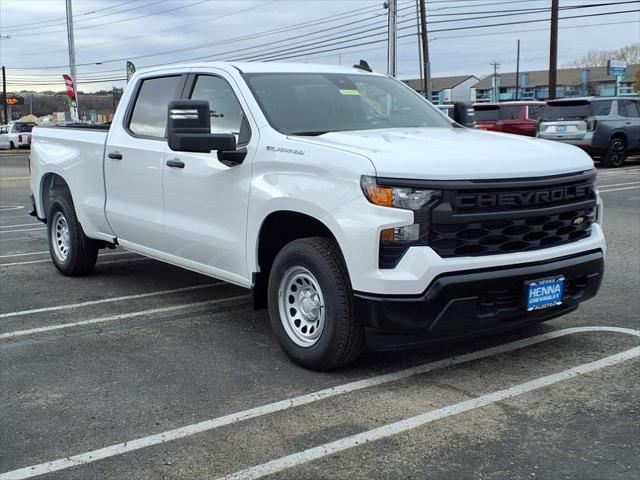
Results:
578 220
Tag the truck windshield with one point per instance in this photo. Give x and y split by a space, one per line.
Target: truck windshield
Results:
318 103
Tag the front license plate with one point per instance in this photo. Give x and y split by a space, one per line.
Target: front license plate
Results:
545 293
561 128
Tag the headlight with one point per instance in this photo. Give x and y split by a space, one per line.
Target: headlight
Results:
399 197
395 241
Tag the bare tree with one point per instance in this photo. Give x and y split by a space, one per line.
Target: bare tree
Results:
598 58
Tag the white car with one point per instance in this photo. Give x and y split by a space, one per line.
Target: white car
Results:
357 212
16 135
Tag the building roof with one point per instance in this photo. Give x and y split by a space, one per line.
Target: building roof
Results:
440 83
566 76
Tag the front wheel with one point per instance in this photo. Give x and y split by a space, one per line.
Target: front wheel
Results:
311 306
616 153
72 252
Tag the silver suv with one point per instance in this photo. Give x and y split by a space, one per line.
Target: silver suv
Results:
606 127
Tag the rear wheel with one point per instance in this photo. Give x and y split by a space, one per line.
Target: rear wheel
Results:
12 146
72 252
616 153
311 306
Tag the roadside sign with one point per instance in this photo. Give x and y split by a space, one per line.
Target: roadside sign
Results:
14 101
616 68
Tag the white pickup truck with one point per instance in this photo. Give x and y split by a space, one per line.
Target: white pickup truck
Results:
355 210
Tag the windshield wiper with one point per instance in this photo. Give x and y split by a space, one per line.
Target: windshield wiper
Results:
310 133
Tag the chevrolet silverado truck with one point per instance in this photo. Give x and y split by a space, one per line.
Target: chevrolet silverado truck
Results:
358 214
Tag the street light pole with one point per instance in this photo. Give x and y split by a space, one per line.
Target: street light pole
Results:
72 52
426 66
392 48
4 96
553 50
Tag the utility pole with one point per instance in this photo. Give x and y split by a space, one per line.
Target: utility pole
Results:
426 66
419 30
392 49
4 96
553 50
72 53
495 66
518 72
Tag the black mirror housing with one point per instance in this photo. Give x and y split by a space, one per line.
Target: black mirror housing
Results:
463 113
189 128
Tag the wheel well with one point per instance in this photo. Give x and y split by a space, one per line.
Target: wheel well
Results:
278 229
619 135
52 184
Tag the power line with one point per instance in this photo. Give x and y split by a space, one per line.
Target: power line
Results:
296 38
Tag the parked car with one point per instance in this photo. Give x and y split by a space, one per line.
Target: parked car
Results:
16 135
519 118
4 138
605 127
355 211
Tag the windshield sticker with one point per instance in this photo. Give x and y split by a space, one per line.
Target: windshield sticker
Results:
345 91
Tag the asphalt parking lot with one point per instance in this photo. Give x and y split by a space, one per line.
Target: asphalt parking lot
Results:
146 371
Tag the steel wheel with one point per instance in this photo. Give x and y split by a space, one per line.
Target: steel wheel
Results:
301 306
61 237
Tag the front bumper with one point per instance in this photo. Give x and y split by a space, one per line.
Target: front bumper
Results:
476 302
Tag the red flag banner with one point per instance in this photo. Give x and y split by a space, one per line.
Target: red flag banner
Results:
71 91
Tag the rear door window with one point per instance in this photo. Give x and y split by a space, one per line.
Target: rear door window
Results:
601 108
486 113
149 115
628 108
535 112
510 112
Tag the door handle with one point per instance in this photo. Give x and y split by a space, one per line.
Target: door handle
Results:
175 163
115 156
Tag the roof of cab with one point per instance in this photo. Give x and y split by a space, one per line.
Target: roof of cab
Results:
266 67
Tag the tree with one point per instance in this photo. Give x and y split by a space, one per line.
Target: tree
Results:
598 58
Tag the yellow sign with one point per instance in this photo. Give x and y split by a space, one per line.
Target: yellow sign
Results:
14 101
349 92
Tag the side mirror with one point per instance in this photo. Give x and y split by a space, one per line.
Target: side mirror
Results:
463 113
189 128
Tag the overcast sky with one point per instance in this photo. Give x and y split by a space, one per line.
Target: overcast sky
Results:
146 31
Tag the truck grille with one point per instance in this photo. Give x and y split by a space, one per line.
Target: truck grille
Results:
502 217
510 235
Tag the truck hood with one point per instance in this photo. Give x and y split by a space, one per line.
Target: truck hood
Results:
457 153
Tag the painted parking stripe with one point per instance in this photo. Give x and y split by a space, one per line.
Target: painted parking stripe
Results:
24 254
407 424
618 184
13 255
20 225
207 425
23 230
108 300
113 318
618 189
48 260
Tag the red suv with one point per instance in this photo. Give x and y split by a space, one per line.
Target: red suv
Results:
520 118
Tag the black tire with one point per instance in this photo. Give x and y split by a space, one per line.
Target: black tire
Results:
81 251
616 153
12 146
341 340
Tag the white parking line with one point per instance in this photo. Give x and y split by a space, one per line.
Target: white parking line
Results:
24 230
618 184
24 254
20 225
112 318
108 300
390 429
617 189
189 430
29 262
